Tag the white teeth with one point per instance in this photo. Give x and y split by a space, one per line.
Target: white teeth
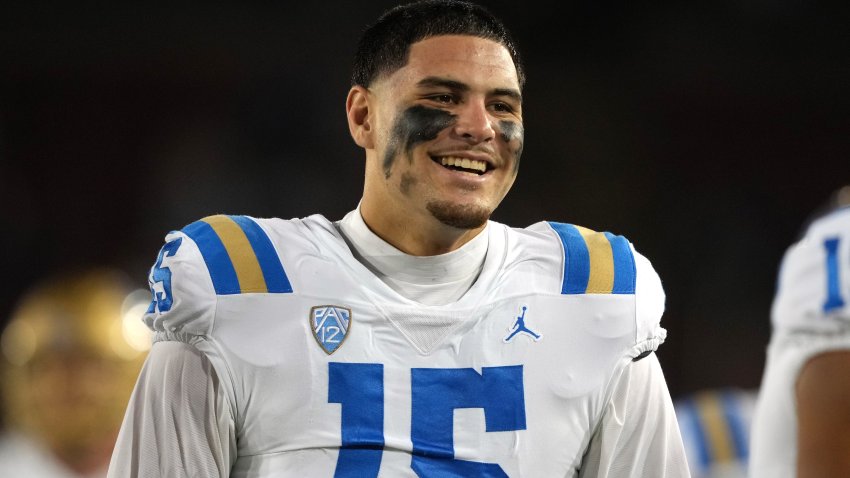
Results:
464 163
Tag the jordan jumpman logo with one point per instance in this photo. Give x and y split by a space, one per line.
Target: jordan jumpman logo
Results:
520 328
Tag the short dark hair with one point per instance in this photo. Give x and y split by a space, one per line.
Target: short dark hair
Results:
385 46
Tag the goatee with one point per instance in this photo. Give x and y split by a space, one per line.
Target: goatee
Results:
460 216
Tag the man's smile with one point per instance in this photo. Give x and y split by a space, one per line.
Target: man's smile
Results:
466 165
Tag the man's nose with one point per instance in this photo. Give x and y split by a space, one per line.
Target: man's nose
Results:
474 123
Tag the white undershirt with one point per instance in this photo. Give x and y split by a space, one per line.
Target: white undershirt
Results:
429 280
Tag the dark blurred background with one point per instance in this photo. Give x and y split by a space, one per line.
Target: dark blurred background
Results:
704 132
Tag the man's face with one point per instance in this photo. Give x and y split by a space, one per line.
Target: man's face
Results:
449 131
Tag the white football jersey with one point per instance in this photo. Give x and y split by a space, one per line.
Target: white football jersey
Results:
328 372
810 316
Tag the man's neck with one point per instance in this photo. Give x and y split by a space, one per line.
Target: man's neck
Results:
428 280
416 235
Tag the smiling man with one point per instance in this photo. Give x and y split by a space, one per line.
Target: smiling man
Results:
414 337
443 139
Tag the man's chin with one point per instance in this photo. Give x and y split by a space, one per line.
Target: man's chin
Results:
460 216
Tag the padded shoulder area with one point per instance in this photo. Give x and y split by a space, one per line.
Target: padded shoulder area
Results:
595 262
813 288
217 255
239 255
604 263
649 305
183 296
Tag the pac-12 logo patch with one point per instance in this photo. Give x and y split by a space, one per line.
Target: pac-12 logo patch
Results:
330 324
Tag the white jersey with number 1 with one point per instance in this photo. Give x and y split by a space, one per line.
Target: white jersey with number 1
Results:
810 316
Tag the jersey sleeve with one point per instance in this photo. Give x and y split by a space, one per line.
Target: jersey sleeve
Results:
178 421
813 288
604 263
183 298
638 435
649 307
216 256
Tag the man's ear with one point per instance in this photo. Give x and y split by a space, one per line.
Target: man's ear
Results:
360 117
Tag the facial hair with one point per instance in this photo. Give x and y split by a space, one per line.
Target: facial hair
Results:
460 216
418 124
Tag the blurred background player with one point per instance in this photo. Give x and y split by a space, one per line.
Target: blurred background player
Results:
70 355
802 421
715 426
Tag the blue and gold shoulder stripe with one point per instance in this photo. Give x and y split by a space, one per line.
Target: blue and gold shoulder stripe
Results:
595 262
239 255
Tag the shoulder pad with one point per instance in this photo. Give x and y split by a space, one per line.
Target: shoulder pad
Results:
218 255
813 288
595 262
239 255
649 305
604 263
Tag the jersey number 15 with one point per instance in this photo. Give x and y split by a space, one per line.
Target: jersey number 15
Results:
436 393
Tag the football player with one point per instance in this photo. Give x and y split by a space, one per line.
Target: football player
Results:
802 423
715 425
69 357
414 337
